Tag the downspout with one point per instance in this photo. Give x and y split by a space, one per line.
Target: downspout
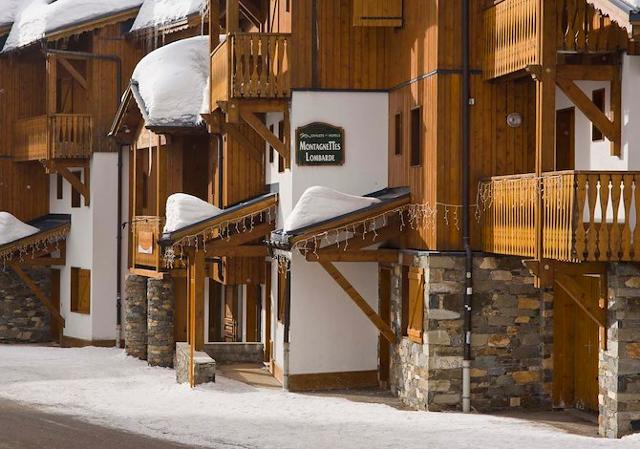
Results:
466 231
118 62
287 322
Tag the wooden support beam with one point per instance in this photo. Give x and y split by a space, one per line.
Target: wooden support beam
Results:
74 73
588 108
52 84
77 184
195 280
600 72
252 120
42 297
43 262
575 291
362 304
242 251
233 16
616 112
214 24
238 136
338 255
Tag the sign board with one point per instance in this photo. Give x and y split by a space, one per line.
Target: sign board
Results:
319 144
145 242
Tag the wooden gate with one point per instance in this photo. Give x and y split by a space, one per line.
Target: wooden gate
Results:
578 336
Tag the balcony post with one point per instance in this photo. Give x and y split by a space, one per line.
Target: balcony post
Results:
233 16
214 24
545 103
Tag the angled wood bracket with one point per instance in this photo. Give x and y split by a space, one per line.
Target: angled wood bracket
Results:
80 187
73 72
42 297
359 301
281 147
575 291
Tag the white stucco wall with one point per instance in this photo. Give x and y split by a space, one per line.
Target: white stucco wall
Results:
92 245
597 155
328 333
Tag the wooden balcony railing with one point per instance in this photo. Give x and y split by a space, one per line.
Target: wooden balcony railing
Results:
146 253
512 33
251 65
53 136
511 36
585 215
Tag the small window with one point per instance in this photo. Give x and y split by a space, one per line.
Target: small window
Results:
59 186
80 290
282 295
281 162
398 135
416 137
416 304
75 195
270 147
597 96
287 5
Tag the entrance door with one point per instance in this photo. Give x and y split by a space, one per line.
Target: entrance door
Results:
565 139
576 345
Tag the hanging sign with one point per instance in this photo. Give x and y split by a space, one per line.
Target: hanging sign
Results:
320 144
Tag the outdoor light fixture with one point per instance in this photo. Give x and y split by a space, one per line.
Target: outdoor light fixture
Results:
514 120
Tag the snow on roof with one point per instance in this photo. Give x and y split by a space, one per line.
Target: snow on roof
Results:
155 13
318 204
172 82
40 17
12 229
8 9
183 210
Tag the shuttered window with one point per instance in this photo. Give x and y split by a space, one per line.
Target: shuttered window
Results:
282 295
416 304
377 13
80 290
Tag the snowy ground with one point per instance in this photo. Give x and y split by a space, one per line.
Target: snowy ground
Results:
106 387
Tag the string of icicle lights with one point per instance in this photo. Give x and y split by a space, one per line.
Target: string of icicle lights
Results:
30 249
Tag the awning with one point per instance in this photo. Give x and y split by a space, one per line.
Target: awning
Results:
52 229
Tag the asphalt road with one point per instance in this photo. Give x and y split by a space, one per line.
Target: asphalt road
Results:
24 427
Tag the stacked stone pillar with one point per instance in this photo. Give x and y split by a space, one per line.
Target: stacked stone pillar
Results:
135 316
149 317
160 309
620 363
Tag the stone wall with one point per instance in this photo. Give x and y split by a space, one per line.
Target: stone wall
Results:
160 310
511 340
204 366
620 363
135 316
23 318
236 352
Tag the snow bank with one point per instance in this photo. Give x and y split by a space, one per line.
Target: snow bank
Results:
105 387
8 9
12 229
172 82
184 210
154 13
40 17
318 204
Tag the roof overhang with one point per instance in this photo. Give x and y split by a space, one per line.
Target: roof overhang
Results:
52 229
392 201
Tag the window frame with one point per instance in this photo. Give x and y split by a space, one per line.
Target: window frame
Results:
415 159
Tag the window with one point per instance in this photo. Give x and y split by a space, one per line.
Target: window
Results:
75 195
287 5
398 135
416 304
416 137
59 186
281 162
597 96
80 290
282 295
270 147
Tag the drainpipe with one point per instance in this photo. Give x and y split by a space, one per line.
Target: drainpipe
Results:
287 321
118 62
466 231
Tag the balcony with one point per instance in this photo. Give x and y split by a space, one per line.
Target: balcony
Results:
513 28
146 254
250 66
53 136
587 216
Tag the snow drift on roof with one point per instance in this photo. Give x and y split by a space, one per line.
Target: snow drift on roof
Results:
318 204
172 82
8 9
183 210
155 13
40 17
12 229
